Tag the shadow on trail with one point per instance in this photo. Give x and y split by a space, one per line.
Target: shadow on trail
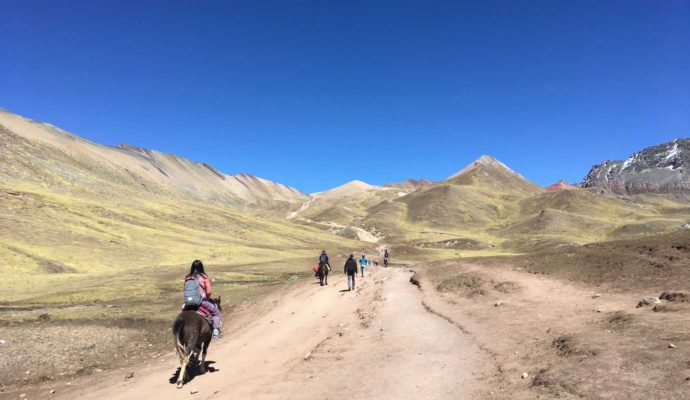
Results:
192 372
344 290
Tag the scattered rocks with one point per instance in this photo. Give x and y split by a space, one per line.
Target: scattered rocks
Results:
563 345
679 297
23 395
498 304
129 375
524 375
2 341
596 295
414 279
685 227
89 346
671 345
307 356
52 391
194 391
665 308
648 302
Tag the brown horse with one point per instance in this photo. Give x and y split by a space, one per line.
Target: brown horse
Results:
322 273
192 334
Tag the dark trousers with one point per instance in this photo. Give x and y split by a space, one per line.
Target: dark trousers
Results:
351 281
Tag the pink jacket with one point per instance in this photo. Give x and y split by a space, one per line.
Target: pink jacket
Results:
204 285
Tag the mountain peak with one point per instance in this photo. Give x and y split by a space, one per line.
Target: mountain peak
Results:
483 161
347 189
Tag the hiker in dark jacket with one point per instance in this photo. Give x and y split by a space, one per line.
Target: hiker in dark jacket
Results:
351 271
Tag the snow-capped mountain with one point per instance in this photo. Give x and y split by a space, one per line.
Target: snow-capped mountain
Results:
657 169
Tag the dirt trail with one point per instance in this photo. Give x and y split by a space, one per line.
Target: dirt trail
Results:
323 343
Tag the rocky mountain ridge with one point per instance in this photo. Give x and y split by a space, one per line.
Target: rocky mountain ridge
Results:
43 154
658 169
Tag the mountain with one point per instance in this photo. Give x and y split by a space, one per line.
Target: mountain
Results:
478 195
69 205
41 153
491 173
560 185
657 169
348 189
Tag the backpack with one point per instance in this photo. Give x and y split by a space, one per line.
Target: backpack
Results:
192 294
323 259
351 266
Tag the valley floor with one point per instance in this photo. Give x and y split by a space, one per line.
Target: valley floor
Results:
464 332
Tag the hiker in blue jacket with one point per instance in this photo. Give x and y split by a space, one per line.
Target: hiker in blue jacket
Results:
363 264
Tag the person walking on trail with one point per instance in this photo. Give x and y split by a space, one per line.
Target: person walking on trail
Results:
363 264
197 280
385 258
324 268
351 271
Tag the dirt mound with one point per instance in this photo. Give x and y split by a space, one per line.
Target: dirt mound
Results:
467 284
658 262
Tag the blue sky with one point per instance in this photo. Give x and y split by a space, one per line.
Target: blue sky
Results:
314 94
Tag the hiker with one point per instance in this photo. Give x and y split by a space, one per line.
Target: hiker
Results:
363 264
351 271
197 282
324 268
385 258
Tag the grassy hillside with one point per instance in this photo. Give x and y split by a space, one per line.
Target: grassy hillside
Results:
80 221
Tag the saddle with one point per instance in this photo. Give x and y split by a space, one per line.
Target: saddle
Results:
207 315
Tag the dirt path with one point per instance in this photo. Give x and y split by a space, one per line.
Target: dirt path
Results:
324 343
572 341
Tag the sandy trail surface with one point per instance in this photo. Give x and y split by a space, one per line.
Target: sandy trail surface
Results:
323 343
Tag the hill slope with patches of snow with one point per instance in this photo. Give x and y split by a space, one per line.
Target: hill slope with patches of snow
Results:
657 169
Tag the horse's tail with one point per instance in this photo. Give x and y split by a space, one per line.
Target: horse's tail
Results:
178 329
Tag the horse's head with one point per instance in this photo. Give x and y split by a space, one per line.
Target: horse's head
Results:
216 301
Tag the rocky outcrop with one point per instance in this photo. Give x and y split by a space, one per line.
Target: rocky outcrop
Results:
560 185
658 169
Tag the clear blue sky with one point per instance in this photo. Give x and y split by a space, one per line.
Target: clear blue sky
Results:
314 94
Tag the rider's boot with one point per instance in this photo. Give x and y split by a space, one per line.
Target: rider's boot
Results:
216 333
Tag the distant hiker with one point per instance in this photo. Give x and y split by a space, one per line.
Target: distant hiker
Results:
324 268
385 258
363 264
197 294
351 271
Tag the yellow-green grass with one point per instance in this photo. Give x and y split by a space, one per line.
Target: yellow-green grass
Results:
152 294
76 254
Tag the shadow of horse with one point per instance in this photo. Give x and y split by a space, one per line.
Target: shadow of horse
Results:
190 375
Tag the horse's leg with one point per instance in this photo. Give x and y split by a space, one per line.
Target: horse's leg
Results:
203 354
183 371
197 353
